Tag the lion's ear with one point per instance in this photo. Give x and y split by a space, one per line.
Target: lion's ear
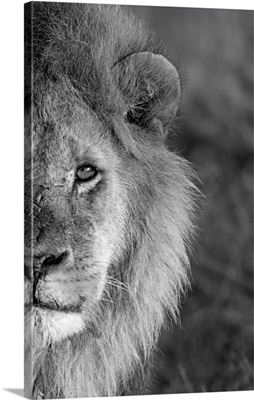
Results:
150 86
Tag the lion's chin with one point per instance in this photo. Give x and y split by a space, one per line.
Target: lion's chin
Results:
45 326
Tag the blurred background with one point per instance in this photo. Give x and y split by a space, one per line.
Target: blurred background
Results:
212 350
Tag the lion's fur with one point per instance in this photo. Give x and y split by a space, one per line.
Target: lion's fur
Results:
150 273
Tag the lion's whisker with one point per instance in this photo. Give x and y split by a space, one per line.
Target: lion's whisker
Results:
118 286
117 281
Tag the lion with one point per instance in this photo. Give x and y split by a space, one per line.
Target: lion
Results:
109 206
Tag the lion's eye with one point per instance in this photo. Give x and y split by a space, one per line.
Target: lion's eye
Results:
86 173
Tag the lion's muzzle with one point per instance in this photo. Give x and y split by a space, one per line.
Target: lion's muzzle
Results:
57 281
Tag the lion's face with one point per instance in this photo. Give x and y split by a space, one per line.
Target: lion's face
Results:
77 222
91 184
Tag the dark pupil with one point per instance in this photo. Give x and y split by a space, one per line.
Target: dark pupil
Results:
85 172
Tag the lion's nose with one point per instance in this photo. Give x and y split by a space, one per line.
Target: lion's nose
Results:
43 264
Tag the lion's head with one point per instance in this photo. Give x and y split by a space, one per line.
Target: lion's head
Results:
108 206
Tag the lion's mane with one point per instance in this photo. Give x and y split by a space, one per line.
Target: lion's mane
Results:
113 356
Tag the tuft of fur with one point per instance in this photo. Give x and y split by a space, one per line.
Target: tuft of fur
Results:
76 46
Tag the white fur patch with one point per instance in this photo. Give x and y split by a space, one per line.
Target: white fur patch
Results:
54 326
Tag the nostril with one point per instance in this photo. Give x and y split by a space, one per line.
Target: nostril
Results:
49 260
54 260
